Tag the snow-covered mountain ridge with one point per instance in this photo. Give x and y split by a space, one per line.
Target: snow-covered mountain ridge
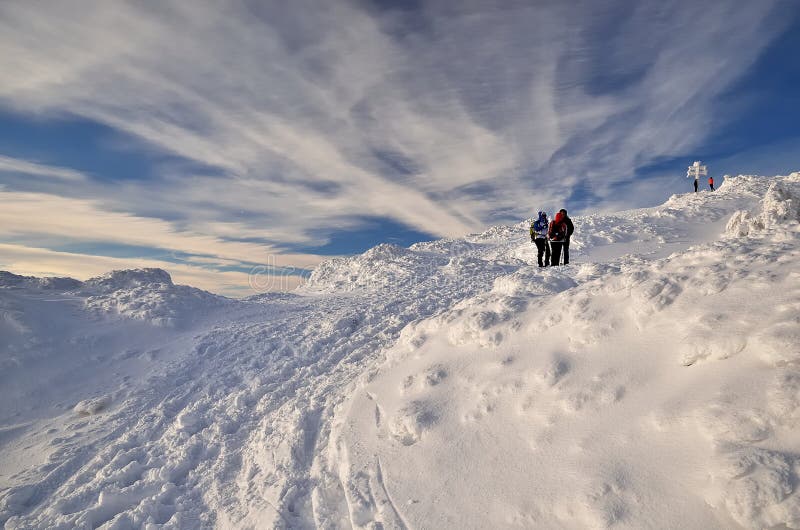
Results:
144 294
652 383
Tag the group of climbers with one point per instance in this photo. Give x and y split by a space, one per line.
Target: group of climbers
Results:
552 238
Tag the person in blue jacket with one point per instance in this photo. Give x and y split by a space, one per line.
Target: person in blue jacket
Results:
539 236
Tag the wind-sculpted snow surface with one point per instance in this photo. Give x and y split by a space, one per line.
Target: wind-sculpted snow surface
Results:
652 383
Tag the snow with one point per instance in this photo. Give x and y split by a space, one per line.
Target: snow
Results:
150 295
8 279
652 383
96 405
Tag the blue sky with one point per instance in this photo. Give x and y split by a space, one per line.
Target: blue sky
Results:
215 138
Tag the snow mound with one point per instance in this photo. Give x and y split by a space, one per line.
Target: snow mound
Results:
89 407
128 279
779 210
10 280
385 265
149 295
446 246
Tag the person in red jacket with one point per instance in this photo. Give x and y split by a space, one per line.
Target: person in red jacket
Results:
557 234
711 183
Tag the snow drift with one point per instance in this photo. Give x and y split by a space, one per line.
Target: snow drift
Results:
654 382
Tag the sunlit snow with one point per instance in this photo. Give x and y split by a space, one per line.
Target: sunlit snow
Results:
652 383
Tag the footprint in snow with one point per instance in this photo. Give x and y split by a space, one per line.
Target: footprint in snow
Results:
409 424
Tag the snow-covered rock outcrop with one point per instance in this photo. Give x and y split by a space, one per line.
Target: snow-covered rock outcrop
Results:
128 279
143 294
779 210
149 295
9 280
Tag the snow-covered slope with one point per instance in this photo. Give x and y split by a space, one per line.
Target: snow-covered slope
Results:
652 383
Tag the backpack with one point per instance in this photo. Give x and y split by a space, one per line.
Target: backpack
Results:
539 225
558 231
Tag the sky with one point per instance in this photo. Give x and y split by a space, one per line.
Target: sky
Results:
237 144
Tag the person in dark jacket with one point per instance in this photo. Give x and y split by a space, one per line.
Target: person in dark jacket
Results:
570 229
557 235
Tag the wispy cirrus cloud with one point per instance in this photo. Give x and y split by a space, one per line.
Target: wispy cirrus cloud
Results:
10 165
444 117
58 220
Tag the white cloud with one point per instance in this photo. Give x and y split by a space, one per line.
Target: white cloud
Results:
37 216
25 167
495 109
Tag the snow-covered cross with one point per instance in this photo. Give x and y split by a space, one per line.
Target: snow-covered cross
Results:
696 170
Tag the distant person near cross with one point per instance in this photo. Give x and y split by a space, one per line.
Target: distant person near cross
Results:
696 170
